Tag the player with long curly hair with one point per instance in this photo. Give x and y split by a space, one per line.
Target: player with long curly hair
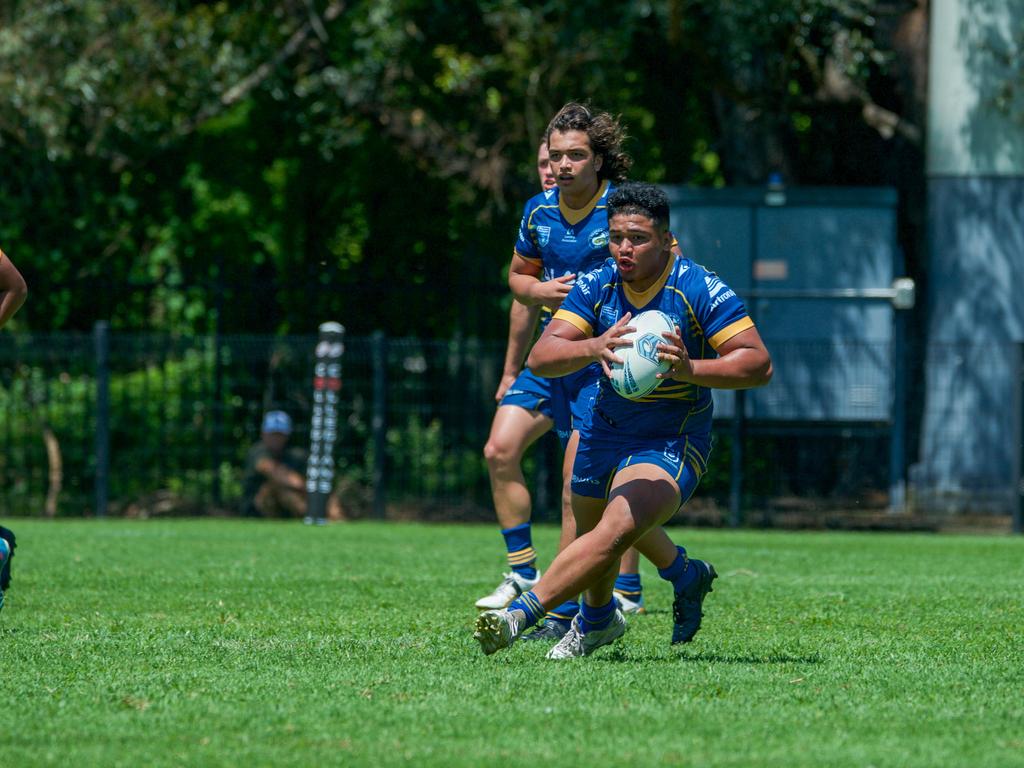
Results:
563 235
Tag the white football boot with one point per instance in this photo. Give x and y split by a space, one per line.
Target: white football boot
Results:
575 643
629 607
498 629
511 587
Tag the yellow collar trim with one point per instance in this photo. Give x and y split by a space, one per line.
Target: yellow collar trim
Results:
639 299
576 215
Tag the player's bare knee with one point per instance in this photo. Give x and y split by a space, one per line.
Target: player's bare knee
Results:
498 455
617 533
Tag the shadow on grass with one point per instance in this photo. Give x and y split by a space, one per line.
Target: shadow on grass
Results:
629 655
747 658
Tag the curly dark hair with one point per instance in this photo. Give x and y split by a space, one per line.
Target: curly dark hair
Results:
605 133
640 199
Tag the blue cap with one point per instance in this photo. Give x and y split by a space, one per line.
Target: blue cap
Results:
277 421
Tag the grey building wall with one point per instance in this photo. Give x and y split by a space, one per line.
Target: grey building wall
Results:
970 457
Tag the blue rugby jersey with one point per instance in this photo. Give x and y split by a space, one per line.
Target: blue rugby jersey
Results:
563 240
705 309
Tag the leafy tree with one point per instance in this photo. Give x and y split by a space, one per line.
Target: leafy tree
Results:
185 166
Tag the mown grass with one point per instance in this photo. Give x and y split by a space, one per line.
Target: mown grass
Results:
244 643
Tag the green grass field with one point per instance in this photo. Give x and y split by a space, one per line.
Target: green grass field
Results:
246 643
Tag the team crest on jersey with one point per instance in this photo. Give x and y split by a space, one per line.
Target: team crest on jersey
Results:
609 315
599 238
543 235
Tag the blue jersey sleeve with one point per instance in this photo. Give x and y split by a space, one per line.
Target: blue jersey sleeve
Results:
719 311
526 244
580 306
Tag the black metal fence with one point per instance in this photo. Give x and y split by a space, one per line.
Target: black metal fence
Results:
136 424
119 423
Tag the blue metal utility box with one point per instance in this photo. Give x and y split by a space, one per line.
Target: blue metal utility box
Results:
816 267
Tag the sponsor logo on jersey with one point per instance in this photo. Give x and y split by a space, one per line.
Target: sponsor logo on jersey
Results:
599 238
671 453
569 236
581 480
714 285
543 235
723 297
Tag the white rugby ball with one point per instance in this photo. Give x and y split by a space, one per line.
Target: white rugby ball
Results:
636 375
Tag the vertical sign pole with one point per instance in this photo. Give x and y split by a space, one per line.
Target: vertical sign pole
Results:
379 424
323 428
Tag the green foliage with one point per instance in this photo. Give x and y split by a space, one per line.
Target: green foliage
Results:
258 168
155 430
226 642
431 469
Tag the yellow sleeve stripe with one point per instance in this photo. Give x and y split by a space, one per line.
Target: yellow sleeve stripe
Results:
730 330
573 319
531 259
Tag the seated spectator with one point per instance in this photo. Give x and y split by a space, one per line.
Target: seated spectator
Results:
275 473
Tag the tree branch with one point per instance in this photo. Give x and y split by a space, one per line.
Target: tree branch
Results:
834 85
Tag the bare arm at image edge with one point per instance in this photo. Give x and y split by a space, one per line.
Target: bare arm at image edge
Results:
12 289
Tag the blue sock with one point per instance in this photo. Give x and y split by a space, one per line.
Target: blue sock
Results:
629 585
564 612
521 554
592 618
679 572
530 605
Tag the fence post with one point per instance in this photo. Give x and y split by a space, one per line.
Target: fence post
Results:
217 424
898 415
101 342
739 429
378 425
